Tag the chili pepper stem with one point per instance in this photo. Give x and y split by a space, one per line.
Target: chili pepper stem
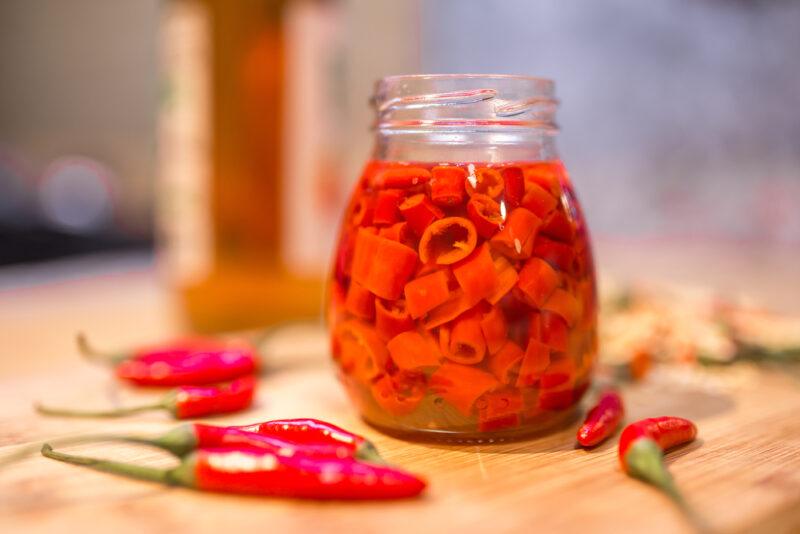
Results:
645 461
179 476
118 412
367 452
94 355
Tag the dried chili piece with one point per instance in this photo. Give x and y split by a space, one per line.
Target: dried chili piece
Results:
182 361
461 385
391 318
387 210
495 329
381 265
419 212
537 281
412 351
360 302
516 239
183 403
484 212
504 364
247 471
400 177
426 293
447 185
476 274
602 420
514 180
448 241
485 181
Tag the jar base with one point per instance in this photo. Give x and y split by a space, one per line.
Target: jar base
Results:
532 429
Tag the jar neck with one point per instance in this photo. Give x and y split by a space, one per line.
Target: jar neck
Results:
464 118
465 147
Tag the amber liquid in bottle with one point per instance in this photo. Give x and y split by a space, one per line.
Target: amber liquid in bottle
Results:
222 148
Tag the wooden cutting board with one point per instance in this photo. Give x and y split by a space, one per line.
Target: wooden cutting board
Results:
742 474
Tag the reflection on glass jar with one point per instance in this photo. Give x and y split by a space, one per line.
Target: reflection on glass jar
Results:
462 297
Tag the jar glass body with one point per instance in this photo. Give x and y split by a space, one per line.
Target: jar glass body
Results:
462 300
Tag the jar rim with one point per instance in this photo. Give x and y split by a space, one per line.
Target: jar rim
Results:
406 102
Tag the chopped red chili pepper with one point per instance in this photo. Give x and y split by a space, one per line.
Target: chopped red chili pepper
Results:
514 186
401 177
642 446
461 385
476 274
395 396
447 185
447 241
516 238
359 301
464 343
185 361
484 213
387 207
505 363
419 212
559 227
602 420
556 254
537 281
488 182
231 470
381 265
538 200
412 351
426 293
184 402
391 318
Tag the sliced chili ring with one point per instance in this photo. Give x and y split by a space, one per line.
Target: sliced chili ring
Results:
447 241
400 177
419 212
485 181
484 212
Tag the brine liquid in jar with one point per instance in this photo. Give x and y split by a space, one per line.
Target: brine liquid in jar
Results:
462 299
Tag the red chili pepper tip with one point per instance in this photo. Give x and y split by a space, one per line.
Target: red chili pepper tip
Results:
602 420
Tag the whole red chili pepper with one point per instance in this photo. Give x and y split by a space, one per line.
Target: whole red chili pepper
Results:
183 402
232 470
642 446
284 438
312 432
602 420
183 361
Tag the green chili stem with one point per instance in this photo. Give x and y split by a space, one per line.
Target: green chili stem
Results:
367 452
645 461
108 466
94 355
118 412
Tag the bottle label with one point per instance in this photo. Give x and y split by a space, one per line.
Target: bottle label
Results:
184 132
314 187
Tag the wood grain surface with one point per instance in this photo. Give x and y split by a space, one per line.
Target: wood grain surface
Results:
742 474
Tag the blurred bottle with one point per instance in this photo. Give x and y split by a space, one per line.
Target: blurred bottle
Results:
258 148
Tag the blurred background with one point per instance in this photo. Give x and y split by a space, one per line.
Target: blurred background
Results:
226 135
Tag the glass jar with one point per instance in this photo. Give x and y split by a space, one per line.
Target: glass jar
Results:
462 299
